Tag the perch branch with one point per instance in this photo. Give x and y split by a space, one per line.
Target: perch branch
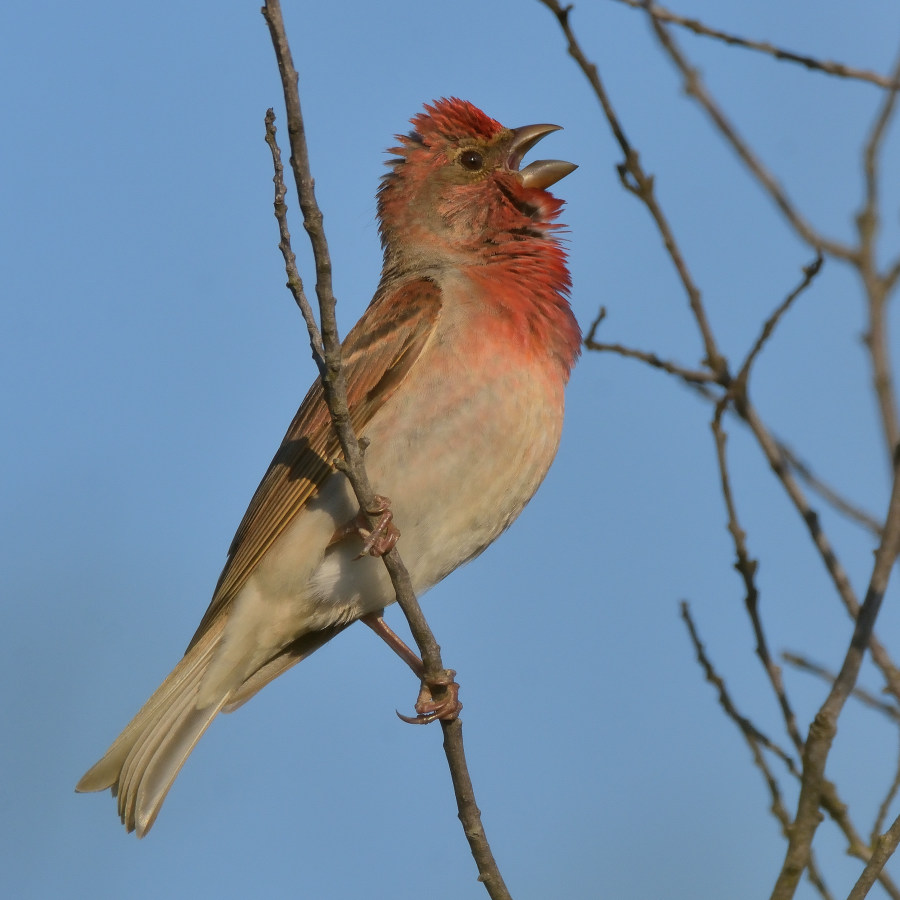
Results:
335 389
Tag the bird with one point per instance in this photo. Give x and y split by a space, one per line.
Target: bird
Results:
456 374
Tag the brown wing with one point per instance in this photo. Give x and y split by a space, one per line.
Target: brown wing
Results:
378 354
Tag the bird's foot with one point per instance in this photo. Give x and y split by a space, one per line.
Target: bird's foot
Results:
378 539
446 709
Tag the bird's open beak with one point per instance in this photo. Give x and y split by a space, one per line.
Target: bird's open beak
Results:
542 172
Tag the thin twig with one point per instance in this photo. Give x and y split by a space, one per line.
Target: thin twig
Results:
746 568
877 286
294 282
335 390
810 62
701 383
809 273
750 732
773 450
694 87
780 464
691 376
334 383
867 698
737 395
886 804
826 492
881 853
833 565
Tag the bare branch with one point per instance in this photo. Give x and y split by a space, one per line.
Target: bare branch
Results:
335 388
882 852
750 732
334 383
746 568
776 455
756 740
810 62
691 376
824 727
704 383
886 804
878 287
639 183
294 282
695 88
833 566
816 791
809 273
826 492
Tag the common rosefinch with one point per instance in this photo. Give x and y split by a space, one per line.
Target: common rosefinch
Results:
455 375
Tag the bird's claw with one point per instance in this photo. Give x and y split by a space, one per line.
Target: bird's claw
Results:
383 537
428 709
378 540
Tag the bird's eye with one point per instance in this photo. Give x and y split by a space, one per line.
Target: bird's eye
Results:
471 160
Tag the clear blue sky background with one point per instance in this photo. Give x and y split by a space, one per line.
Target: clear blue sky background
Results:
151 359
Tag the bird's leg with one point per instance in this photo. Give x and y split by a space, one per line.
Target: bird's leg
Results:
427 708
378 540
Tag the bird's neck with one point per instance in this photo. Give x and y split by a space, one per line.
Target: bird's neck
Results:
521 284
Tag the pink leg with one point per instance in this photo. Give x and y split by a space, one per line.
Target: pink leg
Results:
427 708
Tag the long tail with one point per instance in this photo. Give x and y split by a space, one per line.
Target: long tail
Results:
143 761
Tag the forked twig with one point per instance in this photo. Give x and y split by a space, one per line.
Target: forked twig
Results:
704 384
867 698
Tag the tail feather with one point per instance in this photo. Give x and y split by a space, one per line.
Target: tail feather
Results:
152 765
156 730
161 768
142 762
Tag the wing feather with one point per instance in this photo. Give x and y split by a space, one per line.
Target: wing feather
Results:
378 354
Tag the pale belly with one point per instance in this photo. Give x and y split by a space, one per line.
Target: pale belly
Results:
459 457
457 477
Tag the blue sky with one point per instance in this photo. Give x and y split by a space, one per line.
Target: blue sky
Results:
151 360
